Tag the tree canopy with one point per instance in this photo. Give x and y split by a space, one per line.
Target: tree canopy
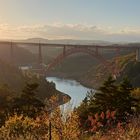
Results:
110 96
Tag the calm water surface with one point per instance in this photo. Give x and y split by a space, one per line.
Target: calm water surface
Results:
72 88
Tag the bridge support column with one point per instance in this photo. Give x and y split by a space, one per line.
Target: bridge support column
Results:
40 59
138 54
117 52
116 67
97 50
64 50
12 52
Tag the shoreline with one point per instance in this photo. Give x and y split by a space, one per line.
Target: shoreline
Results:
66 76
64 93
63 98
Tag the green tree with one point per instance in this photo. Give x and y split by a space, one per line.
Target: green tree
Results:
118 97
125 102
110 96
5 95
27 104
136 94
104 97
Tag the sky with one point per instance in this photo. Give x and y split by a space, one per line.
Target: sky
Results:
111 20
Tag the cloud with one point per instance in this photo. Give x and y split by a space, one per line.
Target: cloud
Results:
69 31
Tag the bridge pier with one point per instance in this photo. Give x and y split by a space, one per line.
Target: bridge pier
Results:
138 54
40 58
64 50
117 52
96 50
12 52
116 67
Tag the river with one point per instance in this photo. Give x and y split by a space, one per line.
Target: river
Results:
74 89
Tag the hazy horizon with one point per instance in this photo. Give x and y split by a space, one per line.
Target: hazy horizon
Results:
110 20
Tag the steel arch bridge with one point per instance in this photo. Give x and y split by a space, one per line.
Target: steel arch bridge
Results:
69 49
75 50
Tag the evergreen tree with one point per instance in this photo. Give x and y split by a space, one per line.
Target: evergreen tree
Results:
125 102
27 104
115 97
104 97
110 96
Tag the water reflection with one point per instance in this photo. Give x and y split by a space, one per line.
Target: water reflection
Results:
72 88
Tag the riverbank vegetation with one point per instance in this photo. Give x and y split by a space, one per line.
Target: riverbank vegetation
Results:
113 108
27 117
111 112
96 75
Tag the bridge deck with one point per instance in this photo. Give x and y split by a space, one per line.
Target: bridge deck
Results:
113 46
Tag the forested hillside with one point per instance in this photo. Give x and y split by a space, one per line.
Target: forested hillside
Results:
11 76
21 56
132 71
126 64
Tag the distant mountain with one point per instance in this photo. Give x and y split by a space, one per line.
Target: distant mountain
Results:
36 40
67 41
74 41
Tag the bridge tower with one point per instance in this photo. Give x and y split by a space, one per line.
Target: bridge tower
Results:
138 54
40 58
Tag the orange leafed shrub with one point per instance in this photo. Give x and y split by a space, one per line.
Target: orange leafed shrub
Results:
102 120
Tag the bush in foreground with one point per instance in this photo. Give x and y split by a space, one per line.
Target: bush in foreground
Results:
64 126
130 132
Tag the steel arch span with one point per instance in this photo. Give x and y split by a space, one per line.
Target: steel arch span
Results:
74 50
